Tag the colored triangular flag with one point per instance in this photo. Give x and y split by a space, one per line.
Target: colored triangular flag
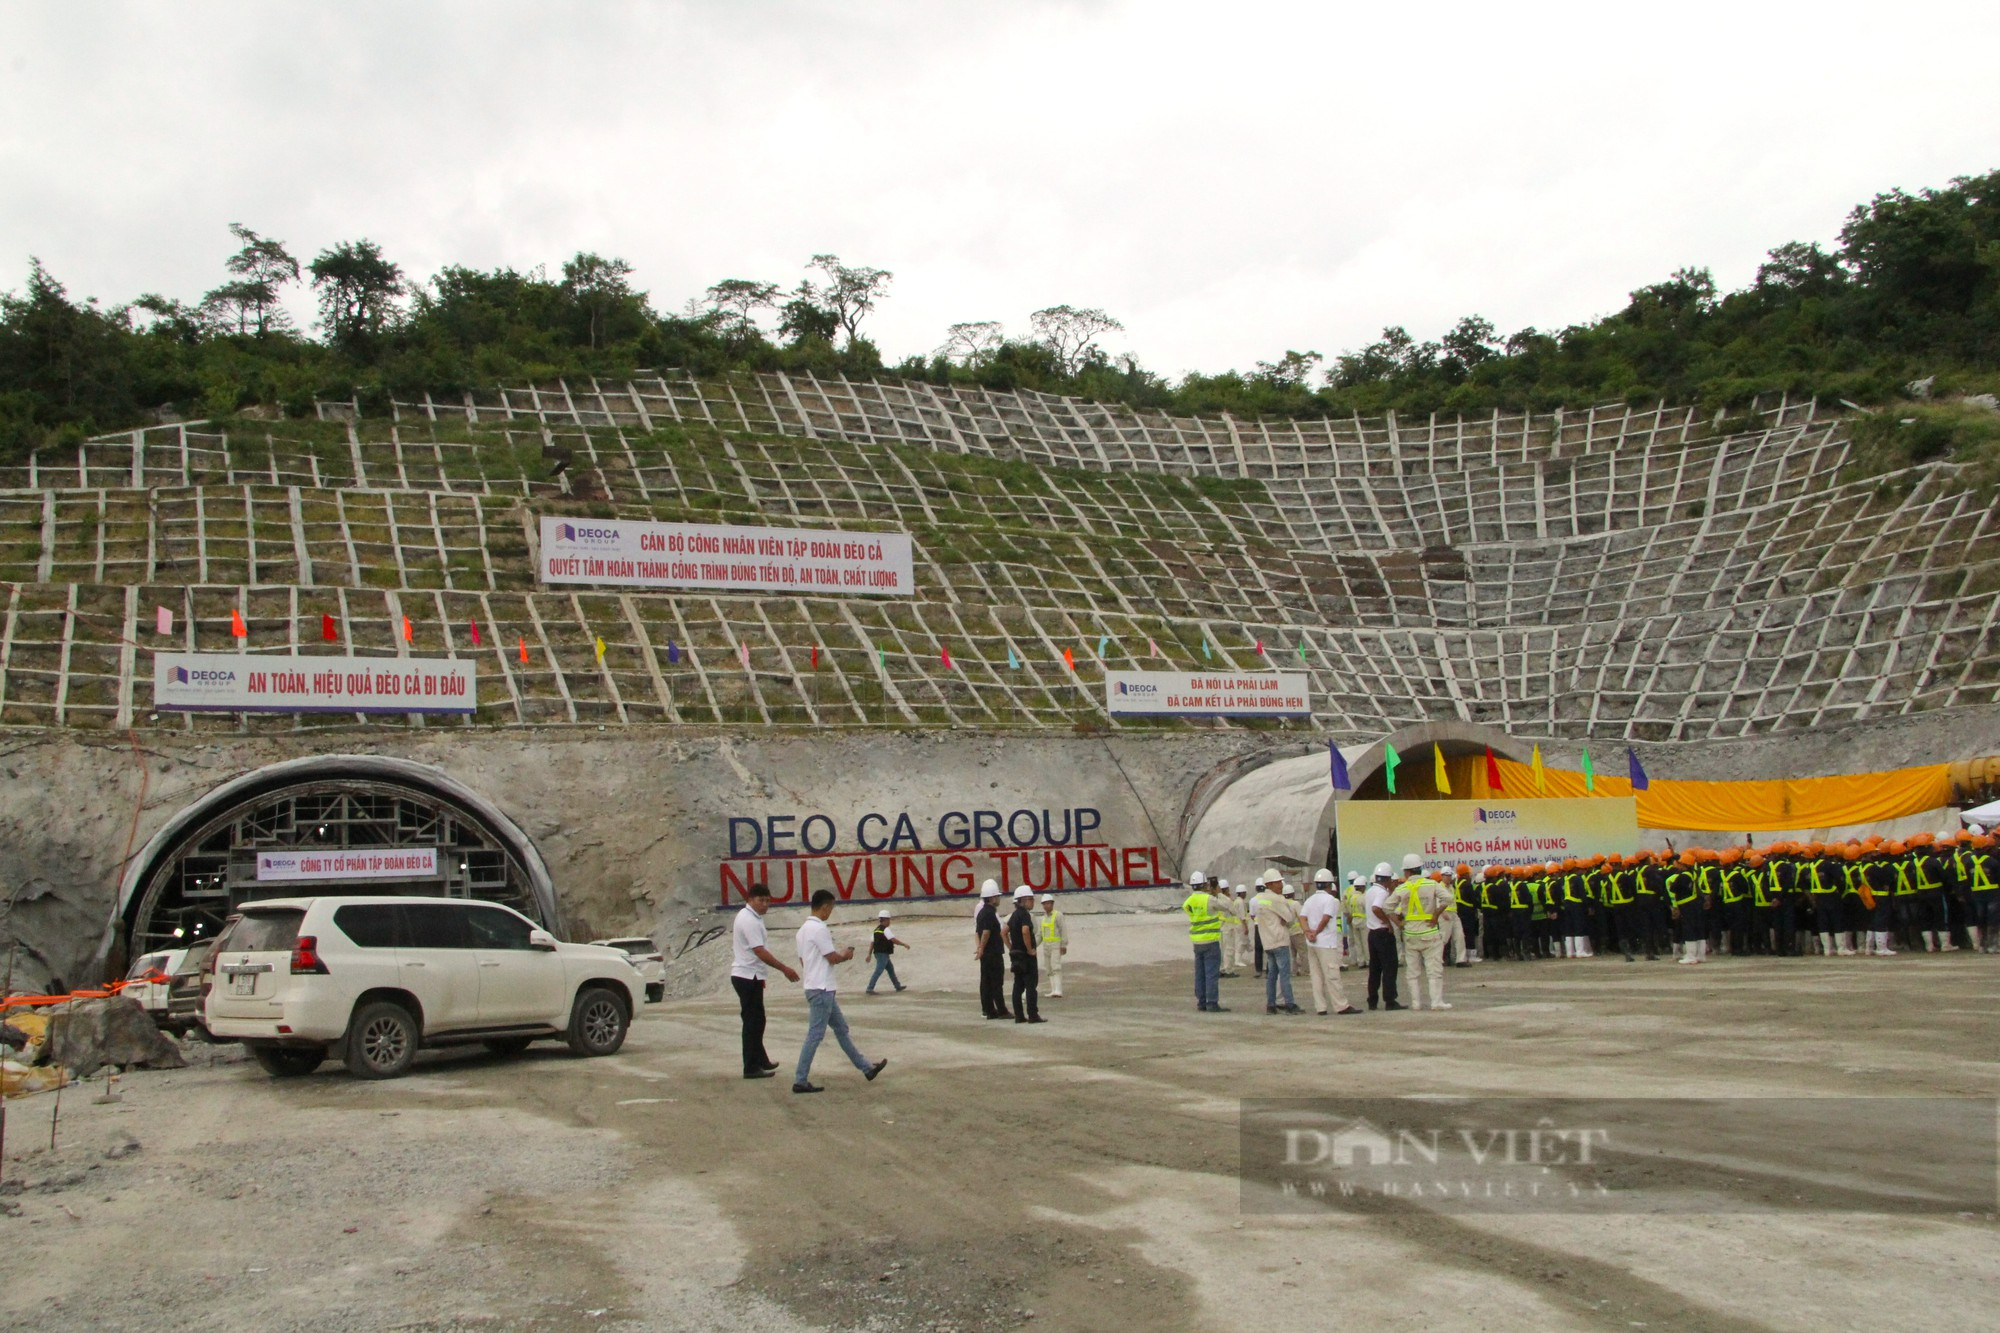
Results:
947 656
1341 782
1632 767
1493 773
882 658
815 657
1389 761
673 653
524 650
1204 650
1541 779
1152 649
409 632
1013 662
1068 660
163 620
1103 642
1260 647
743 651
473 625
1589 778
328 631
1443 778
236 625
600 647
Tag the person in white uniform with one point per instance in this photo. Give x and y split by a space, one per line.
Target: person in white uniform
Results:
1322 918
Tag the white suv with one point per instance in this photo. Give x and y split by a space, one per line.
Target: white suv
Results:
373 979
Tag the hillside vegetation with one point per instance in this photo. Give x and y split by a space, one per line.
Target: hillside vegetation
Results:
1912 290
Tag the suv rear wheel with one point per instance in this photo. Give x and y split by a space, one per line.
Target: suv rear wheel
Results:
288 1061
597 1022
382 1040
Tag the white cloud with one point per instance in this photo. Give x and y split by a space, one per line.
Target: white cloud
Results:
1228 180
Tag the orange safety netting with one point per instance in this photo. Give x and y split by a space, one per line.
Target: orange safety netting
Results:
1758 805
99 993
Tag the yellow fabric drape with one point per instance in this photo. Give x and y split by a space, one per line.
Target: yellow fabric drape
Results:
1761 805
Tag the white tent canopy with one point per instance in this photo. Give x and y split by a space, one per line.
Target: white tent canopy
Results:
1988 814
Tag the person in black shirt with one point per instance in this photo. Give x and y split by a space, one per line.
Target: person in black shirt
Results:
986 949
1021 949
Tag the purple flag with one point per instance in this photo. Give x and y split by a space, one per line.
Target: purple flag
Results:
1638 774
1341 782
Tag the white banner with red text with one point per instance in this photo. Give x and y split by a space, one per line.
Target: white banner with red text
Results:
632 553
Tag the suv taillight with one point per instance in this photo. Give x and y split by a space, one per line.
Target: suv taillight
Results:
305 956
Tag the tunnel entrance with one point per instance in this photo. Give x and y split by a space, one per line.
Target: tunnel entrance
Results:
206 863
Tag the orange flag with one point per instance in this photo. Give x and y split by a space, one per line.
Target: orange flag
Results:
1069 660
524 650
409 636
236 625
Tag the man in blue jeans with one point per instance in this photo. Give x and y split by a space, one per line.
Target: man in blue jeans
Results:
1275 916
816 959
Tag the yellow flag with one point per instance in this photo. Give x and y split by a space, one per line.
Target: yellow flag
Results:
1541 782
1444 782
600 648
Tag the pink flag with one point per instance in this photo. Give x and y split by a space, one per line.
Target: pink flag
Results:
744 649
1152 649
163 621
1260 647
947 657
474 627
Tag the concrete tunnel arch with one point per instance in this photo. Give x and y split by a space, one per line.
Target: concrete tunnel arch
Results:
274 781
1285 807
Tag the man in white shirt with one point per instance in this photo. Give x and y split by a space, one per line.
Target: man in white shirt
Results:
817 956
1321 916
750 956
1382 960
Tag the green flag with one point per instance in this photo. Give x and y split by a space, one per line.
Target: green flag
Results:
1389 761
1302 651
1589 778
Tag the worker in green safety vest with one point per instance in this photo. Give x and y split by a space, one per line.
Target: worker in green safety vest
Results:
1205 934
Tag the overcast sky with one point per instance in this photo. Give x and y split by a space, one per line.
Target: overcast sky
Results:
1229 179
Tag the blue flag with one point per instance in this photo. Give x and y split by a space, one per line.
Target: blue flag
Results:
1103 642
1340 778
1013 662
1639 780
673 653
1204 649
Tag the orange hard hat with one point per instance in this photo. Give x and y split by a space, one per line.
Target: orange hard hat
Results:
1850 852
1896 849
1756 858
1688 857
1614 859
1464 870
1918 840
1729 856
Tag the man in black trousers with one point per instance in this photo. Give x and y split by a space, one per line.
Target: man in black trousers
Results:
990 952
1025 957
750 959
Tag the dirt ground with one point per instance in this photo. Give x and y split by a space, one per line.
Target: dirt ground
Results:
1080 1174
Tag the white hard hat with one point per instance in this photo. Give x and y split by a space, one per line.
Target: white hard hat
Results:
883 914
1285 889
1023 891
1242 889
1354 877
1197 878
1413 862
1975 829
1382 870
1269 876
1222 884
1322 876
990 889
1048 897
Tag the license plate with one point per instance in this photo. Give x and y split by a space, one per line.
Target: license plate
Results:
243 983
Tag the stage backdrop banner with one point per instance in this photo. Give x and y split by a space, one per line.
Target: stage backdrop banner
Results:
268 683
630 553
1483 833
1208 693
